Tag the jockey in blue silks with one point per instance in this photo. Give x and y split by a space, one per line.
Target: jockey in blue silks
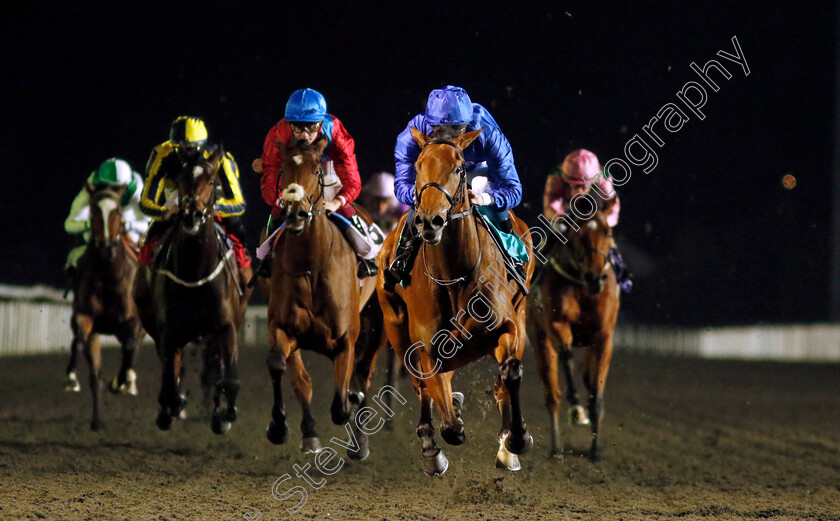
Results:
450 113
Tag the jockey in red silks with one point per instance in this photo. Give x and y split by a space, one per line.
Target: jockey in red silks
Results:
577 174
306 118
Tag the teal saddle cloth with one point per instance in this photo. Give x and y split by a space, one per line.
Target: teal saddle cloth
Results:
511 242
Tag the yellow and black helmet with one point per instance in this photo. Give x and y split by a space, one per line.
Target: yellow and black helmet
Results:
188 131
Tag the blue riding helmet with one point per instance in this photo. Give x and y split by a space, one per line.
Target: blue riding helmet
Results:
306 105
449 106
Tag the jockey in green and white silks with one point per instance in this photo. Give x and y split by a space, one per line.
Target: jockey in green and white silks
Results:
112 173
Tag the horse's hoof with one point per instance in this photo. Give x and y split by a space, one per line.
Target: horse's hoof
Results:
506 459
578 416
453 436
97 425
183 415
227 415
356 398
71 383
163 421
519 445
130 385
435 465
277 433
310 445
555 453
458 401
218 426
594 455
364 450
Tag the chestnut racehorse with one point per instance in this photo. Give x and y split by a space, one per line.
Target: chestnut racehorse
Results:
314 299
102 302
192 295
574 303
451 314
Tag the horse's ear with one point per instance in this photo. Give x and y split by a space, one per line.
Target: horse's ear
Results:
216 157
419 137
320 144
281 146
466 139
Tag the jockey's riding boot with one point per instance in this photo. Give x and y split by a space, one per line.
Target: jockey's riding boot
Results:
507 227
367 268
400 268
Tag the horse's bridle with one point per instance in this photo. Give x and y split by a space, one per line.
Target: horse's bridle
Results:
460 193
310 213
209 207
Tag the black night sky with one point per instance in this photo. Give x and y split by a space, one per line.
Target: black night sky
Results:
711 233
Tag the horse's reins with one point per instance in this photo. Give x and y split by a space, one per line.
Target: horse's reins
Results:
576 265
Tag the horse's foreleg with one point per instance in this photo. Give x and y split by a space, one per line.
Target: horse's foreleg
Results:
171 402
71 380
546 357
302 385
439 388
434 462
93 355
596 366
560 336
225 343
508 354
277 431
341 407
126 380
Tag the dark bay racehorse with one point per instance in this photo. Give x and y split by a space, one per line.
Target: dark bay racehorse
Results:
191 294
450 314
574 303
314 298
102 302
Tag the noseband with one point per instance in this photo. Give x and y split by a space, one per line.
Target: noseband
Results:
459 196
310 213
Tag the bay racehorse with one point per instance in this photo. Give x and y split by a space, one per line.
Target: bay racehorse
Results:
574 303
459 306
192 294
314 299
102 302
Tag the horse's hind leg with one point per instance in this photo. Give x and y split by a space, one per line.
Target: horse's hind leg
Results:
434 462
277 431
225 343
93 354
302 385
596 366
546 357
71 380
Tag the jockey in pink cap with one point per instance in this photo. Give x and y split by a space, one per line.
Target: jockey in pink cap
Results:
377 196
576 175
578 172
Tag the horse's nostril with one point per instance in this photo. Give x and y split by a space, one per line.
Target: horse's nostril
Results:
437 221
302 214
418 221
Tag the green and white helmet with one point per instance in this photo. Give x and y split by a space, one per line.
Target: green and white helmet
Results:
115 172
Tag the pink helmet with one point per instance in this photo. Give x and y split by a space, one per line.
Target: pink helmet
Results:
381 185
581 167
